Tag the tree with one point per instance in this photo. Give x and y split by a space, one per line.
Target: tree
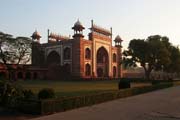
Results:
174 66
14 50
4 47
22 50
151 54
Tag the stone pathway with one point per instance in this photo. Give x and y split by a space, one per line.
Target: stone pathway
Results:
159 105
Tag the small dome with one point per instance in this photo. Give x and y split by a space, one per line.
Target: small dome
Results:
118 39
36 35
78 25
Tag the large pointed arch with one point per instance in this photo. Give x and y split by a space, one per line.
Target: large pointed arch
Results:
102 62
53 58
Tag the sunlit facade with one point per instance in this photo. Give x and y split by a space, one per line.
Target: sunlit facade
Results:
74 57
85 58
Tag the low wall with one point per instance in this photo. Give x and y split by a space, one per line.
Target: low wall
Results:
62 104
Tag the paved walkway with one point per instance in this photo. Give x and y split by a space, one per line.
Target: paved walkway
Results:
159 105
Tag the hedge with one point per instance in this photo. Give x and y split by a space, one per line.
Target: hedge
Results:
58 105
29 106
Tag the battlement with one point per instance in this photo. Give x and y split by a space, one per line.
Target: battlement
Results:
53 37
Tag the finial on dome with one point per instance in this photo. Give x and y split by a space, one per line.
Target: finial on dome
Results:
78 26
36 35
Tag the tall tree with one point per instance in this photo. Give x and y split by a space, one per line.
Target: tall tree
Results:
4 47
22 50
174 66
151 54
14 50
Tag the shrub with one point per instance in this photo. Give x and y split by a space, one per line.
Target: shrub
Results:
29 106
10 93
46 93
28 94
57 105
124 84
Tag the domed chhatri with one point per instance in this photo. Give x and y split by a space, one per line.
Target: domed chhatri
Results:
118 39
78 29
36 35
78 26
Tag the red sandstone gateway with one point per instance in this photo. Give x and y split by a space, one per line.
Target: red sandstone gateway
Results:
66 57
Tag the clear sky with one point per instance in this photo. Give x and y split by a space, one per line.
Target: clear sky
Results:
128 18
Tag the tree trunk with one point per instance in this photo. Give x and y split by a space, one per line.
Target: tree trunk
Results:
147 74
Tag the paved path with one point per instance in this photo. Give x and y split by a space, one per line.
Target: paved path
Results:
159 105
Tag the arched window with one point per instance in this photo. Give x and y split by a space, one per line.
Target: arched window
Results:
67 68
20 75
53 58
28 75
88 70
88 53
2 75
114 71
35 75
67 53
114 57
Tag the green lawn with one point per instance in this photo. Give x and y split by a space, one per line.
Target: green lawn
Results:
71 88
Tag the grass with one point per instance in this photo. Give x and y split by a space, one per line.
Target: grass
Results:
76 88
71 88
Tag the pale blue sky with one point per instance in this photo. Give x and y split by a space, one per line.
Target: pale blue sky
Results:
128 18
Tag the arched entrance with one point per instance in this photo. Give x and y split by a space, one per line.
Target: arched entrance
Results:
2 75
53 58
67 68
102 62
35 75
88 70
114 71
28 76
20 75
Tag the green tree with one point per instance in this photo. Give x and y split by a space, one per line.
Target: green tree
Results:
4 47
174 66
151 54
14 50
22 50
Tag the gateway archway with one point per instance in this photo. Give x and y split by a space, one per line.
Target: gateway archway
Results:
53 58
102 63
